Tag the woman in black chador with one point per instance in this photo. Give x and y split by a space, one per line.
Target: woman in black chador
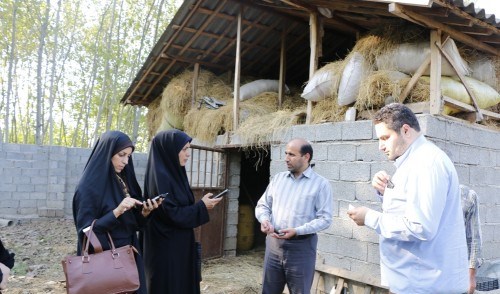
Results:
108 192
170 251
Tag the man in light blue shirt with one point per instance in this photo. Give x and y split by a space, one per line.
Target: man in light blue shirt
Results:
421 227
297 204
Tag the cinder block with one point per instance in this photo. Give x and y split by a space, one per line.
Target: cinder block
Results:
368 151
328 132
320 152
305 132
355 171
357 130
7 147
469 155
484 175
342 152
335 260
344 190
460 133
340 227
327 169
365 234
276 152
432 126
365 192
366 269
373 253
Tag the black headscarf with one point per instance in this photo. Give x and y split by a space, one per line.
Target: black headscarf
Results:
98 190
164 172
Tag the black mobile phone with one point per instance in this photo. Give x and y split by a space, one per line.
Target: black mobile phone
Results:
161 196
219 195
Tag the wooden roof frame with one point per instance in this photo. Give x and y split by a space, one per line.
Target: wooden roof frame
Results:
475 29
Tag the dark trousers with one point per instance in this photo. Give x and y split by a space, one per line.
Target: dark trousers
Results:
289 262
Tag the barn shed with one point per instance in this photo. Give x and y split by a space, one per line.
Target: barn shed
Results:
288 41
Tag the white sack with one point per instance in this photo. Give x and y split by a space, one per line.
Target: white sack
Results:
354 72
322 84
484 70
408 57
257 87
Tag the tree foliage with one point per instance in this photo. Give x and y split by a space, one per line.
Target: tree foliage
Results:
65 65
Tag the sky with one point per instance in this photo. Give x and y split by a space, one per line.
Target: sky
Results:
490 6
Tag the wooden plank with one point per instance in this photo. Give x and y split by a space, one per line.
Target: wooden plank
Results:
340 286
313 60
345 274
282 69
479 116
435 75
237 73
466 107
195 83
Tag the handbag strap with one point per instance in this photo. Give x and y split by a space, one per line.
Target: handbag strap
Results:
91 238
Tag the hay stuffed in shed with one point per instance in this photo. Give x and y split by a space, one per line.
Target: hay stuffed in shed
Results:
153 117
259 130
177 95
205 124
328 110
377 87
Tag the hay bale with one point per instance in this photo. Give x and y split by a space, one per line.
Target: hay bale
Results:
328 110
177 95
377 87
153 117
259 130
205 124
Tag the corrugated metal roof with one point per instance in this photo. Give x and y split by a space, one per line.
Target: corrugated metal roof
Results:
204 32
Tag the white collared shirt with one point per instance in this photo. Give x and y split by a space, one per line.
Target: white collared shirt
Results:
422 236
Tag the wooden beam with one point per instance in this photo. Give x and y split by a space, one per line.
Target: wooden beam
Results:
479 116
466 107
196 73
282 69
313 60
237 72
435 74
411 16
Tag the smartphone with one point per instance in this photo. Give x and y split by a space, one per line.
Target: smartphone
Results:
278 233
161 196
219 195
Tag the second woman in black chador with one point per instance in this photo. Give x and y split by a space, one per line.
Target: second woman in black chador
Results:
170 252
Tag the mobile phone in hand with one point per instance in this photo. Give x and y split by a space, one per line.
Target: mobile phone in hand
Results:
161 196
278 233
219 195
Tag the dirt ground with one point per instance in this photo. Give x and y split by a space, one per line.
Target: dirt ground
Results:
40 245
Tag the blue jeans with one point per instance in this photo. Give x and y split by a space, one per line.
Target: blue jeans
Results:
291 262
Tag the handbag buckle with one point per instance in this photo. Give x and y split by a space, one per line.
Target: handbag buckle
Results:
85 258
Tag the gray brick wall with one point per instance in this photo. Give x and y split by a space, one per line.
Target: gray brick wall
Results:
347 155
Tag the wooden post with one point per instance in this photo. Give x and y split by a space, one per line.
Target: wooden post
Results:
237 72
435 77
313 61
282 69
195 83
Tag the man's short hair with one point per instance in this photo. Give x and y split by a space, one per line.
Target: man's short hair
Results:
395 115
306 148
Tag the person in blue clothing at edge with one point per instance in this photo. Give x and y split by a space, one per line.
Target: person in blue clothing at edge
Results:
296 205
422 237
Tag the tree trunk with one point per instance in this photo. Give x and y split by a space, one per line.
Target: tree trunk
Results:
12 55
52 76
39 92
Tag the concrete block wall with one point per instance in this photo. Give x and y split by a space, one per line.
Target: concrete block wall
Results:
346 153
39 181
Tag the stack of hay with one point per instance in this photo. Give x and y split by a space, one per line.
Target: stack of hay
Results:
379 67
176 108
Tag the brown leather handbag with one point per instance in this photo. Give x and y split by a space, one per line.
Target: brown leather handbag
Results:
109 271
